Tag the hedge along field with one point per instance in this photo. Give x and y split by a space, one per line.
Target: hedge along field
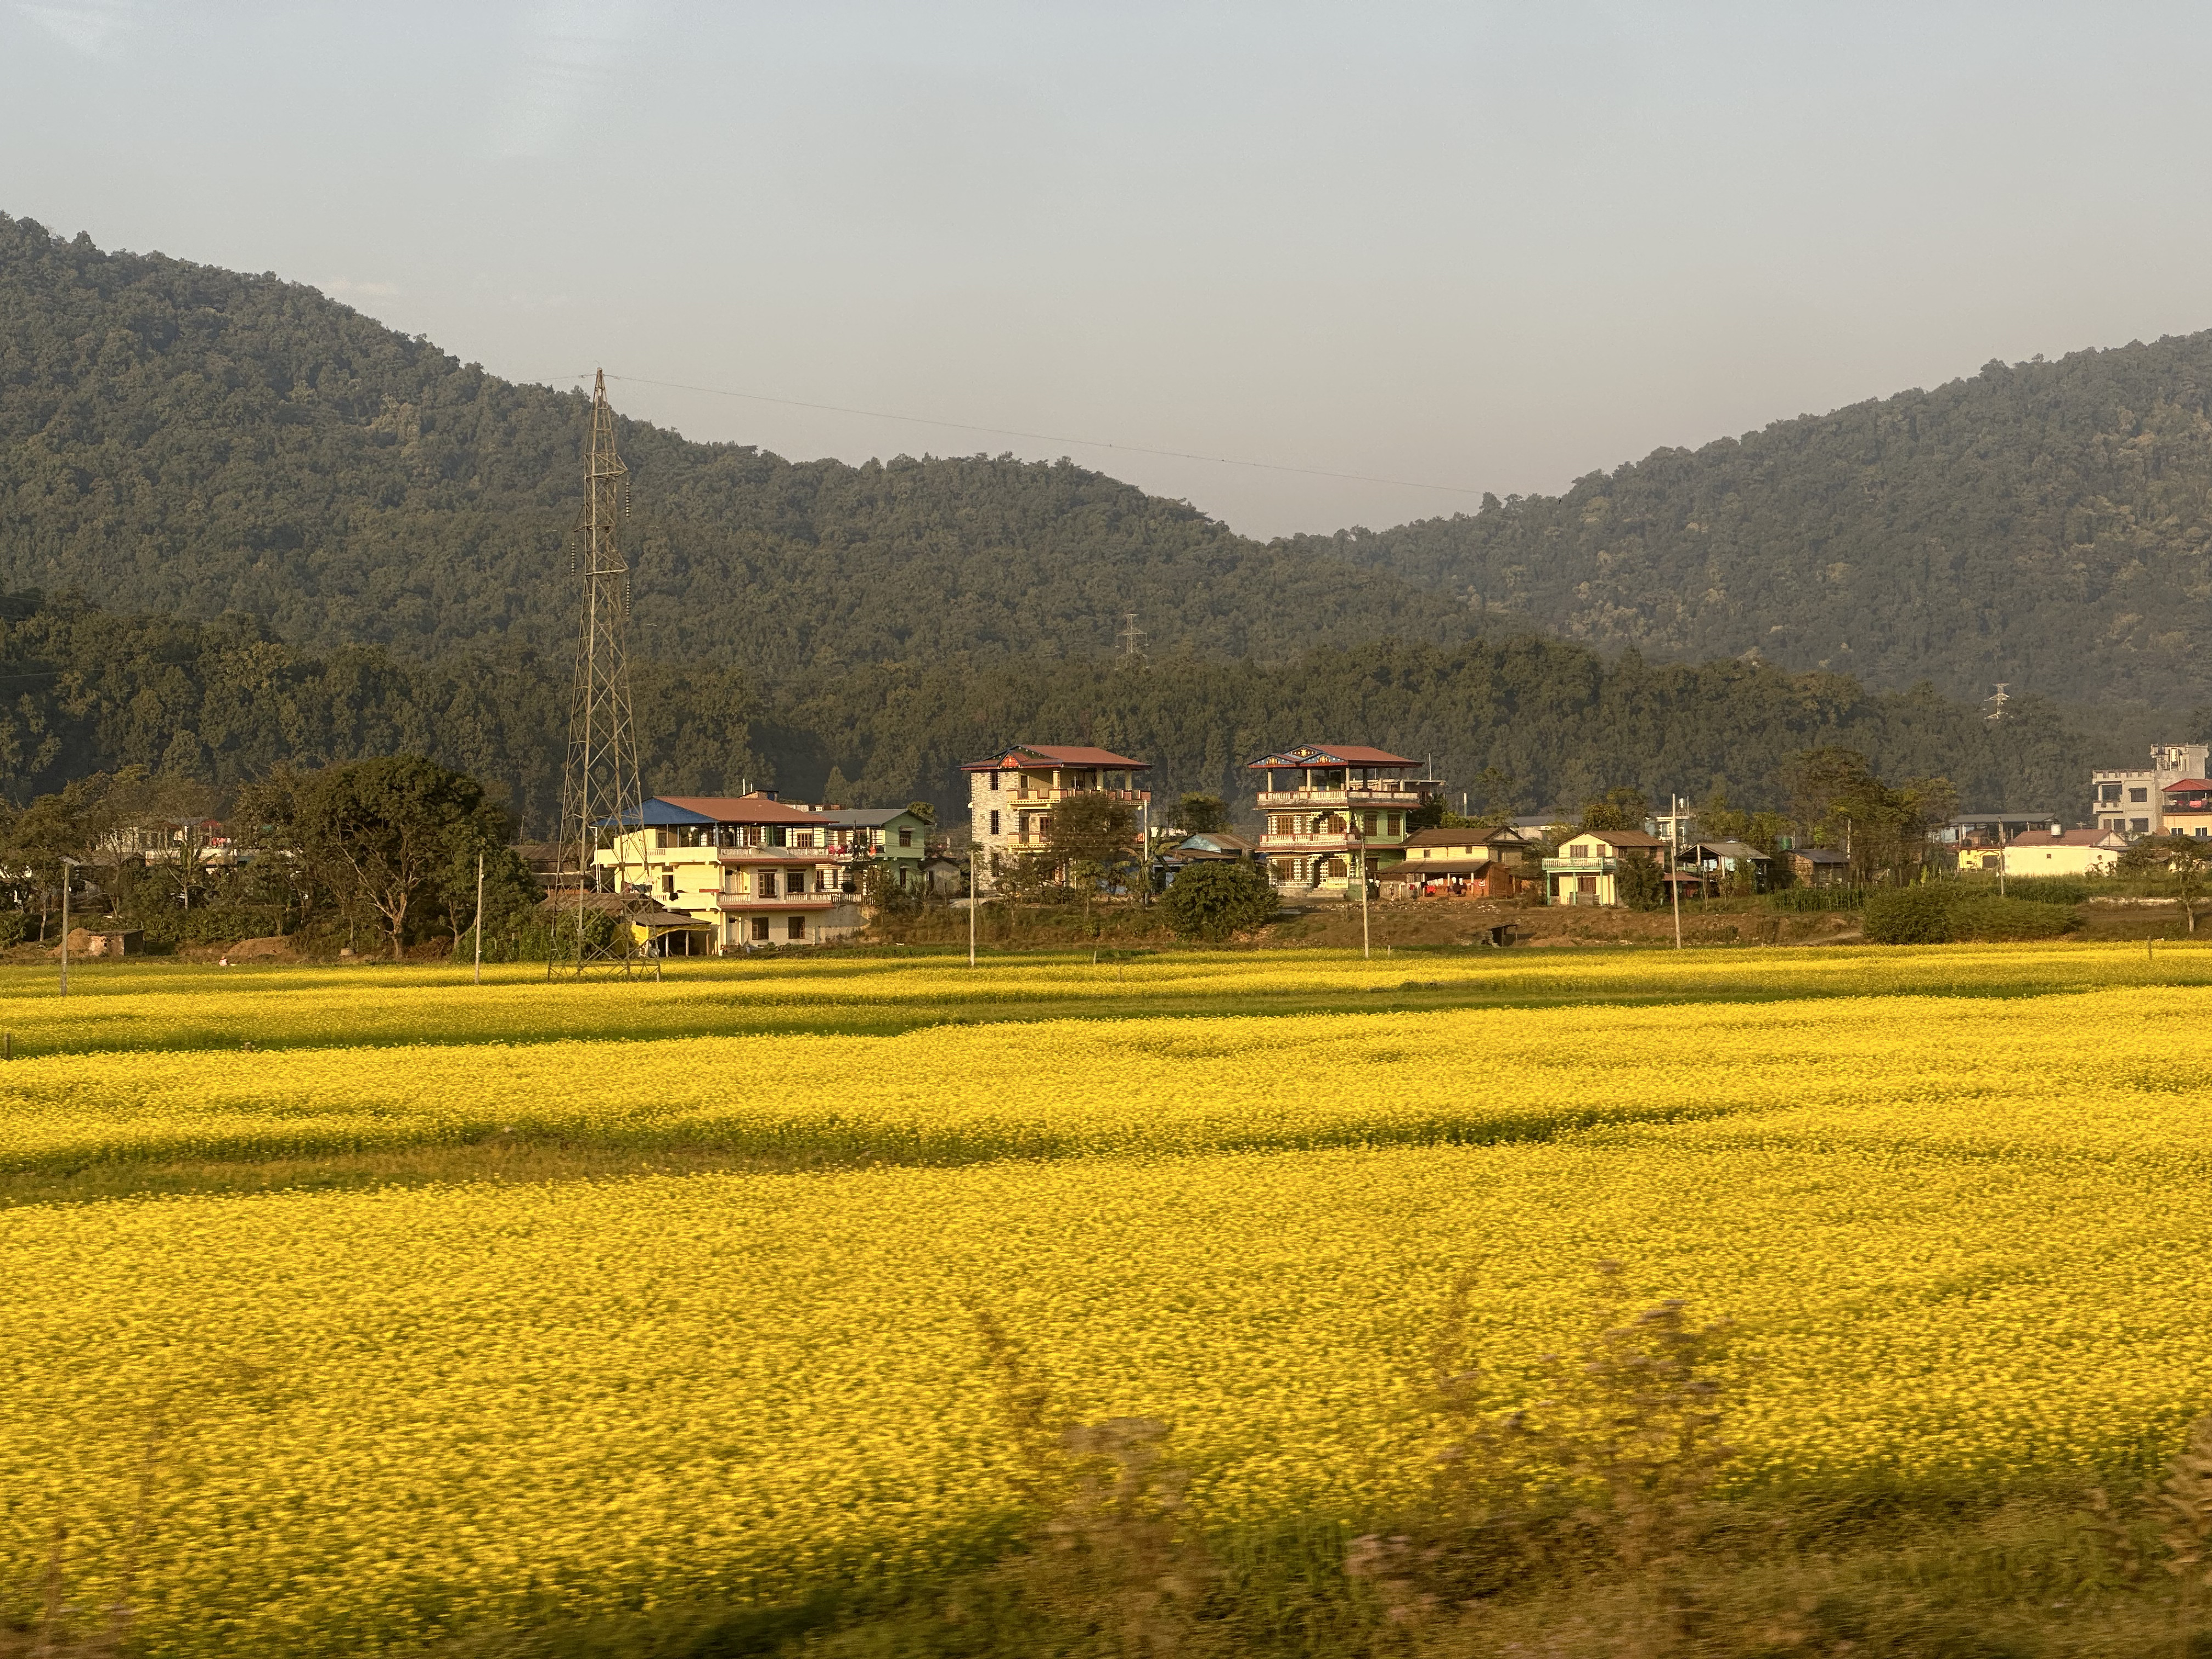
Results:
156 1005
395 1414
2089 1073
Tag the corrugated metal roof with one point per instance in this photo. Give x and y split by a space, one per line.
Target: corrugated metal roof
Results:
729 809
1461 837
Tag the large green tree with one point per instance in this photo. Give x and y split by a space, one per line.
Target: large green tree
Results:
390 831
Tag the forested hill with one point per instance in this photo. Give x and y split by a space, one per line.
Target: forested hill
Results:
1521 721
184 440
2044 524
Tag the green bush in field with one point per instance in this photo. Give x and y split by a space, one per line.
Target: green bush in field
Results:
1989 919
1918 915
1213 899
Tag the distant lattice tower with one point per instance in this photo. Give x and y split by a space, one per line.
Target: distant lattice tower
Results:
1998 704
600 785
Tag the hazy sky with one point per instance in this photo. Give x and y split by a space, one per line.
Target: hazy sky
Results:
1487 247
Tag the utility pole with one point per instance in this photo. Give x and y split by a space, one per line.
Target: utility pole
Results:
68 865
1674 861
1366 950
479 927
974 904
599 783
2001 851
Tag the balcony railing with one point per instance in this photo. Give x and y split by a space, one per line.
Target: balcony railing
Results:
1048 797
781 902
1362 794
1304 840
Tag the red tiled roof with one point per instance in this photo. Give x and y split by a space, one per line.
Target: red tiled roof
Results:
743 809
2189 783
1348 754
1058 754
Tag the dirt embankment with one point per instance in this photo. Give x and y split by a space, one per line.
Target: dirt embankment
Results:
1471 923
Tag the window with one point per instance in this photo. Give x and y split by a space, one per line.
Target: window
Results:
802 838
794 882
760 927
1334 868
764 884
1367 824
2110 793
906 837
994 817
668 885
661 838
995 780
1586 884
2136 797
796 928
2139 824
1390 824
1580 850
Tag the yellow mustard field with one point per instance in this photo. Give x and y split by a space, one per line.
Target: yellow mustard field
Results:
2099 1070
161 1006
1964 1236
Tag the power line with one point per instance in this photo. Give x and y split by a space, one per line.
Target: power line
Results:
1041 437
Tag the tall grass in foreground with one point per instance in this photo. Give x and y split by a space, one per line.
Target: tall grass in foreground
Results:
1591 1521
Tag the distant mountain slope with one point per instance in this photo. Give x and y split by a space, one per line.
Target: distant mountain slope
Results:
183 440
2044 524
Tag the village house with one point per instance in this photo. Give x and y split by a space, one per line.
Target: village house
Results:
1011 796
1720 861
1330 810
743 870
1819 866
1466 863
890 836
2133 802
1588 868
2186 807
2062 852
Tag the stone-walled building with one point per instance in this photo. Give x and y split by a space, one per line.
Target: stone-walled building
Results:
1011 796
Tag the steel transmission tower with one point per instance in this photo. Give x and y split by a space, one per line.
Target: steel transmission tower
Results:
599 785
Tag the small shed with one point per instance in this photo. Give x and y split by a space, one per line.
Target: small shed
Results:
1819 866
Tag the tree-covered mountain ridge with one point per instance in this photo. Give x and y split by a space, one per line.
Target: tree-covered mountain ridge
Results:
180 440
2041 523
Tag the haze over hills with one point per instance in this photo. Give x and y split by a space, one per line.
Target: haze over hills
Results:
2043 523
183 440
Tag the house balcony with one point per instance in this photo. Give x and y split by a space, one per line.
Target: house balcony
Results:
771 856
1033 800
1362 795
741 902
1327 841
1581 867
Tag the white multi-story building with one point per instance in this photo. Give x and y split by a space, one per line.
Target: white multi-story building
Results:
2133 801
1011 796
745 871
